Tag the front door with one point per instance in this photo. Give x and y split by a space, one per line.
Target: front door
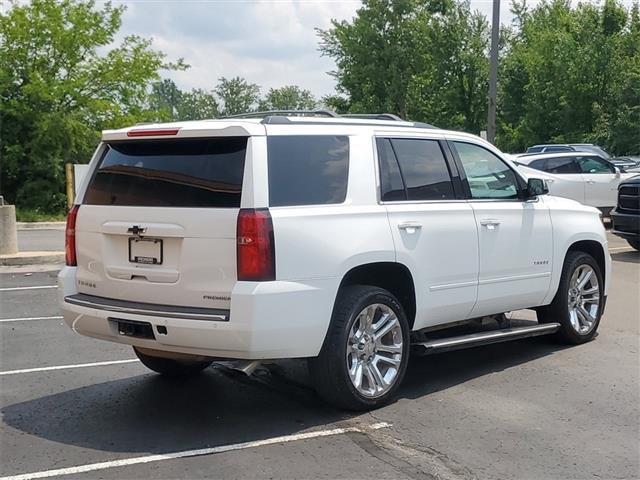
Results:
433 228
514 235
601 181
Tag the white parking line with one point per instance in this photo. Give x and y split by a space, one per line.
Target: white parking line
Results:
194 453
65 367
24 319
615 249
39 287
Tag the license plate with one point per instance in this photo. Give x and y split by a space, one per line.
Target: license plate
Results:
145 250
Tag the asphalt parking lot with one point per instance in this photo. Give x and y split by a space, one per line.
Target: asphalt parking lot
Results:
74 407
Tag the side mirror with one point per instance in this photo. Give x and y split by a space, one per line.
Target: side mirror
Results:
536 187
618 170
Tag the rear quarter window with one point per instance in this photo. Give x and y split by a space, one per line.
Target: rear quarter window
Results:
170 173
307 169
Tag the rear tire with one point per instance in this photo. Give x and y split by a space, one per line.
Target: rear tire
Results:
365 353
578 303
635 243
179 366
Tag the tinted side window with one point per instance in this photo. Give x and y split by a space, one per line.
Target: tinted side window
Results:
391 184
562 165
558 149
534 149
171 173
424 169
538 165
307 169
594 165
488 176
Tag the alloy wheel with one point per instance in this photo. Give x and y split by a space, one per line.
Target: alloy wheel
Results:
374 350
583 299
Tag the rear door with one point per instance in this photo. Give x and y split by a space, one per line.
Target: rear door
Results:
158 221
433 227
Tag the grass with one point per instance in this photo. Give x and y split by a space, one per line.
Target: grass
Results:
32 215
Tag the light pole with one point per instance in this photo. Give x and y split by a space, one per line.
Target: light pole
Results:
493 72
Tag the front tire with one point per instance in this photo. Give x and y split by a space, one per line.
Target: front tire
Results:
578 303
364 357
171 366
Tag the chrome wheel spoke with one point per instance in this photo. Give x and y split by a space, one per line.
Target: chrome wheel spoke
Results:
584 278
573 318
590 291
384 328
378 382
593 299
395 362
356 374
381 347
366 320
586 316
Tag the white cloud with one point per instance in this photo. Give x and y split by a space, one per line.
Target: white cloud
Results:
271 43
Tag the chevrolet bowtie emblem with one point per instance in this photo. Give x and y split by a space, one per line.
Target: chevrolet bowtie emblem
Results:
136 230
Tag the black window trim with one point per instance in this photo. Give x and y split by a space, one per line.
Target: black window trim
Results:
458 189
521 184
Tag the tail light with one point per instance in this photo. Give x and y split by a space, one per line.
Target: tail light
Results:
70 237
255 246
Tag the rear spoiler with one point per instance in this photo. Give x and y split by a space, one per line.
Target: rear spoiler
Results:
185 130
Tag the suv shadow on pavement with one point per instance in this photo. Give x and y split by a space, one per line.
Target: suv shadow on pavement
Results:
629 257
152 414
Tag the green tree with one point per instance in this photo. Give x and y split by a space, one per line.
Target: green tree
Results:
572 75
237 96
290 97
169 103
60 84
420 59
165 99
198 104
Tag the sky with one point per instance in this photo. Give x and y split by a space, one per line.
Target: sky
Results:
269 42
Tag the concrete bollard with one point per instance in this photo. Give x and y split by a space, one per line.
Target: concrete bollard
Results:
8 230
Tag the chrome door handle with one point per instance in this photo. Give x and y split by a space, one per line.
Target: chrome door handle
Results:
591 181
410 227
490 223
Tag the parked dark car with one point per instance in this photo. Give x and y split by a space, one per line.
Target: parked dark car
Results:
625 217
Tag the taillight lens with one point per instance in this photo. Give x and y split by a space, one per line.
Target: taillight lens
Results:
255 246
70 237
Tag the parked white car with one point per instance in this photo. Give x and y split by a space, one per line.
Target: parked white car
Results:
344 241
586 178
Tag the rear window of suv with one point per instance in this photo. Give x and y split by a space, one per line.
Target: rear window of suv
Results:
203 173
307 169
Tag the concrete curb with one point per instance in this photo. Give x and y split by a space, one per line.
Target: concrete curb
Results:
41 225
32 258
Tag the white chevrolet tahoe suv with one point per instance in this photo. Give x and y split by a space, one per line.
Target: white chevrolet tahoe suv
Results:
346 241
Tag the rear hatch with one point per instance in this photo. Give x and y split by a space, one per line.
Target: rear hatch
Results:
158 221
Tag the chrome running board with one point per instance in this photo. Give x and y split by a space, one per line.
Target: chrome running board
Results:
483 338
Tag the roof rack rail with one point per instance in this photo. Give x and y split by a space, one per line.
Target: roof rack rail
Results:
283 113
282 116
373 116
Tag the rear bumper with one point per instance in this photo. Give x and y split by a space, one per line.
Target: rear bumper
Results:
266 321
625 225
